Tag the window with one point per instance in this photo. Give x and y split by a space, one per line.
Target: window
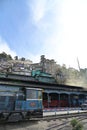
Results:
31 94
2 98
20 97
11 99
39 95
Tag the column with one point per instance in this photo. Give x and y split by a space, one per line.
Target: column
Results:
48 99
69 99
59 100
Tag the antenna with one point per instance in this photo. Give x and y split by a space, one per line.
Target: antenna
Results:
78 63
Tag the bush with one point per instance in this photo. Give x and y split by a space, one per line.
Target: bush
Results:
76 125
79 126
74 122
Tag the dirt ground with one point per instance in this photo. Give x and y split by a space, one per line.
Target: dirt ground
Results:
37 125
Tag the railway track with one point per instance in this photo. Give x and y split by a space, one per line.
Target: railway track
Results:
66 124
60 122
47 118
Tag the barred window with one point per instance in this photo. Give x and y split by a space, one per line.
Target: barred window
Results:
31 94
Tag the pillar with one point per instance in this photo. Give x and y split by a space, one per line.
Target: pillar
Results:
69 100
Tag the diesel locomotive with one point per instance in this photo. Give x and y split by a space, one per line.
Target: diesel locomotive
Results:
22 101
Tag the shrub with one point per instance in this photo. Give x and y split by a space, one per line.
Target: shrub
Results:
79 126
76 125
74 122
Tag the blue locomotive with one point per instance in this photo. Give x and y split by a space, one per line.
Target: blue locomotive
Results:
22 101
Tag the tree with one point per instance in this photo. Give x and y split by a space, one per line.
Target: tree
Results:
16 57
61 74
4 56
22 59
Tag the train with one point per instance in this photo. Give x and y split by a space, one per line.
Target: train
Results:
23 102
19 98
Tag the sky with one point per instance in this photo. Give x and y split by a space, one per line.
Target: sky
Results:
54 28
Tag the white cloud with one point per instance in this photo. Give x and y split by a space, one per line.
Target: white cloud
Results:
4 47
37 9
65 25
74 35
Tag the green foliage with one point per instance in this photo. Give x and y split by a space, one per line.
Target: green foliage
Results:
16 57
79 126
74 122
76 125
4 56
